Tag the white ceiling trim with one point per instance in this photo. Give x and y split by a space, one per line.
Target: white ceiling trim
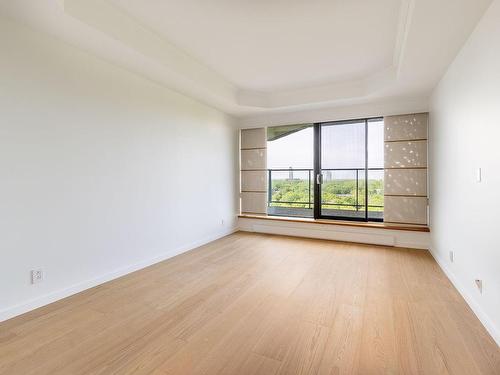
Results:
374 108
428 36
194 78
405 19
320 93
180 70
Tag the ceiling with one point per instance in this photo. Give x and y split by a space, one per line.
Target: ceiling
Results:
270 45
247 57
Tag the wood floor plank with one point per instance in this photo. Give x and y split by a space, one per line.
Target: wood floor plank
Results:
306 352
255 364
378 349
342 349
260 304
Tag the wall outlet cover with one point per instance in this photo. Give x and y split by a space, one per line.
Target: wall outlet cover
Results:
36 276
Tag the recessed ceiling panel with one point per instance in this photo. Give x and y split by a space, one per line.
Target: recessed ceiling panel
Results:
277 44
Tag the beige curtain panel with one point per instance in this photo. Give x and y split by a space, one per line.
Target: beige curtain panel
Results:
253 171
405 164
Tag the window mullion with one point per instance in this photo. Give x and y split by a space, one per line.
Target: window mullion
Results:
366 169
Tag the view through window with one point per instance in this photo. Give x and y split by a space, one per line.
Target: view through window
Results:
290 159
348 176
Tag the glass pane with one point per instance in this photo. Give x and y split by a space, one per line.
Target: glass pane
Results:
376 143
291 150
375 194
376 169
343 145
291 193
343 193
343 168
290 171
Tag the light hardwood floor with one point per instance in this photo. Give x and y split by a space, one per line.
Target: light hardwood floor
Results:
260 304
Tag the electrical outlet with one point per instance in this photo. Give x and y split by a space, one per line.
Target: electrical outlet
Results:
36 276
452 256
479 284
478 175
221 221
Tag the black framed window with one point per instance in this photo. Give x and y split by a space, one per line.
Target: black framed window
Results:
340 176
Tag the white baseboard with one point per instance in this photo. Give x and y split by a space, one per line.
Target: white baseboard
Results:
335 235
373 236
87 284
475 307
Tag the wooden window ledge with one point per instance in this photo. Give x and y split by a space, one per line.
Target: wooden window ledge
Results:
390 226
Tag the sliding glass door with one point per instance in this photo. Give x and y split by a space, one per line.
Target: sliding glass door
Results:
342 170
330 170
349 170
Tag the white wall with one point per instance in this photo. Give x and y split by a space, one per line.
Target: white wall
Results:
465 134
101 171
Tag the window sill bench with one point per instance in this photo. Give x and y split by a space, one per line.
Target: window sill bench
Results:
389 226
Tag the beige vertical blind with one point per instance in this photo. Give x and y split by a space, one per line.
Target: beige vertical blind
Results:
405 165
253 171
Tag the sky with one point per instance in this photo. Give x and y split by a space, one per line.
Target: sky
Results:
342 147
